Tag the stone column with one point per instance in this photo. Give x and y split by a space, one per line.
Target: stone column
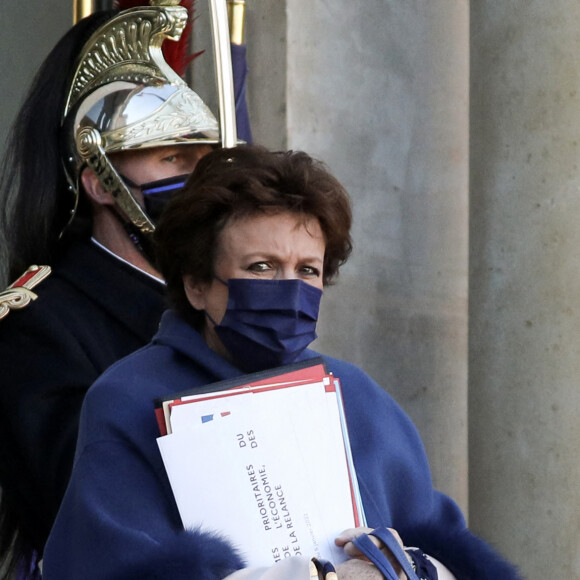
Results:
28 30
524 306
379 90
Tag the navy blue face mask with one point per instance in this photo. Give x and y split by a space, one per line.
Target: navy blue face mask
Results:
157 193
268 323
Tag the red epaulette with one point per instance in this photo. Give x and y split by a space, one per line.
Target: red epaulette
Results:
19 294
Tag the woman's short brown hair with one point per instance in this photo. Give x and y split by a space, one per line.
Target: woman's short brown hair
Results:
234 183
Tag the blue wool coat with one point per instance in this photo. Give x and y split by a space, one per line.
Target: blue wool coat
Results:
119 521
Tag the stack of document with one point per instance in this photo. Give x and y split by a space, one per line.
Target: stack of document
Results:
264 460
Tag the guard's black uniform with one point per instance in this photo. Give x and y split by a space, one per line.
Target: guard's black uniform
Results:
90 312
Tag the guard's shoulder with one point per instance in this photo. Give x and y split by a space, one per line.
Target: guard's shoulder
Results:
19 294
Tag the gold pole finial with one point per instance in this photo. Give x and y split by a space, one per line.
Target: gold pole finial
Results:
236 16
84 8
81 9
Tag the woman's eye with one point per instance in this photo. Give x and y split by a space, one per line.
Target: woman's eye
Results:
170 159
259 267
310 271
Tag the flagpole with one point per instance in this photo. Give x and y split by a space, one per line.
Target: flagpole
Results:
225 81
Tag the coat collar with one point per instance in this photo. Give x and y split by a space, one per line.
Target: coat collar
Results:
176 333
183 338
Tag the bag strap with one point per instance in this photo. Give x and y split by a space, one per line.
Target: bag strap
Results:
378 558
396 549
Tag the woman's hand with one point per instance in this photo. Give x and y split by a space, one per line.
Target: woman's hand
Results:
345 541
358 570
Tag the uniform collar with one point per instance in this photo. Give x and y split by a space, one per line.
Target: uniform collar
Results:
135 299
127 263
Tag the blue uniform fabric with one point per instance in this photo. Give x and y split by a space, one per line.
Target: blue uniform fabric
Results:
240 72
91 311
119 520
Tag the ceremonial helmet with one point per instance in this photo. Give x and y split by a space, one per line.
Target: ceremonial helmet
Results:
125 96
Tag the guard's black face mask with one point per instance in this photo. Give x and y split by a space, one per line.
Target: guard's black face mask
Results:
157 193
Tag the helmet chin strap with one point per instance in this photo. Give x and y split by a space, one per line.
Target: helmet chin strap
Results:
141 240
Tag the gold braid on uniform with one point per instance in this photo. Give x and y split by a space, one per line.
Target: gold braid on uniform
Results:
19 294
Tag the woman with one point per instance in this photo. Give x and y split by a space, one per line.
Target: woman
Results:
248 221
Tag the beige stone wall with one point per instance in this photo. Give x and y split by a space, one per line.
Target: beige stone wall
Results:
525 282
